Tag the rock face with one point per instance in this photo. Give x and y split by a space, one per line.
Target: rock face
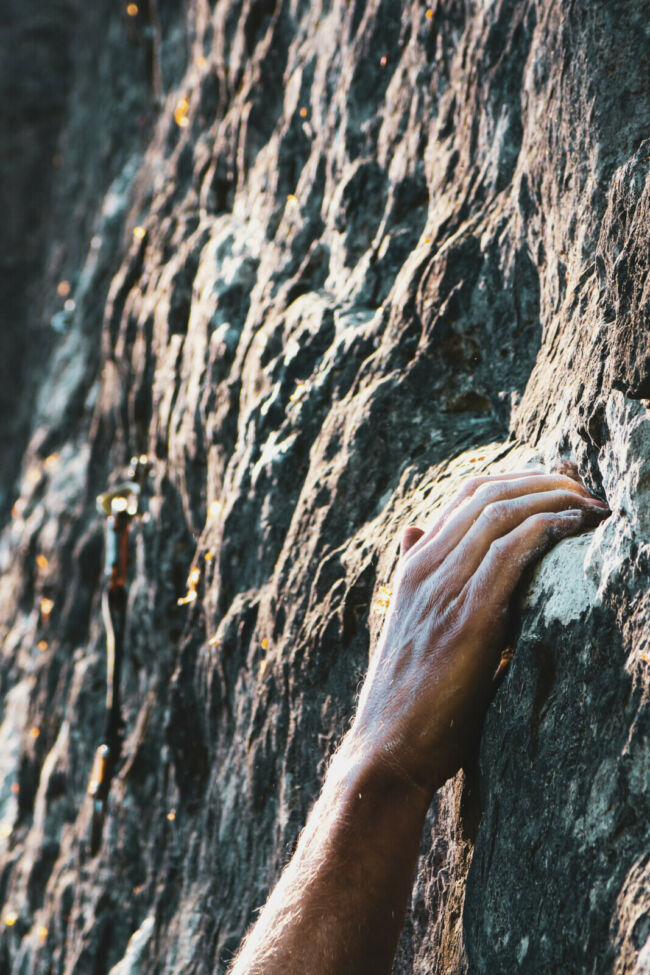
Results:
324 261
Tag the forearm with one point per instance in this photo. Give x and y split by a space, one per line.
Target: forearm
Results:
339 905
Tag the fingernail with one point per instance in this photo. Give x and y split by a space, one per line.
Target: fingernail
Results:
597 503
596 513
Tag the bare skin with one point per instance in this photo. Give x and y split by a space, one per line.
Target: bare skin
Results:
339 906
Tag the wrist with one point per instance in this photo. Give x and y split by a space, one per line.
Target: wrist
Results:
365 767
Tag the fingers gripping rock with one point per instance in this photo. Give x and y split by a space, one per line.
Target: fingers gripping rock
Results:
431 678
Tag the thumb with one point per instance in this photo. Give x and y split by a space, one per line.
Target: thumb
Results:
411 535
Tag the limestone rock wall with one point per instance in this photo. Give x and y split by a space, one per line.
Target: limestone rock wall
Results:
324 261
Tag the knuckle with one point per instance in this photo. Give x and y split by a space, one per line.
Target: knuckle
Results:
494 514
472 485
475 482
499 549
571 484
538 523
491 493
484 492
547 519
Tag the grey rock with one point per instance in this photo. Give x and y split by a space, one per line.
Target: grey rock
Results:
376 251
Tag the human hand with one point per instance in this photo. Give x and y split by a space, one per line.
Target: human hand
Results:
430 680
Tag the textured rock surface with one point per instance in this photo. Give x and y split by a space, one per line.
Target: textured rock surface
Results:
384 246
